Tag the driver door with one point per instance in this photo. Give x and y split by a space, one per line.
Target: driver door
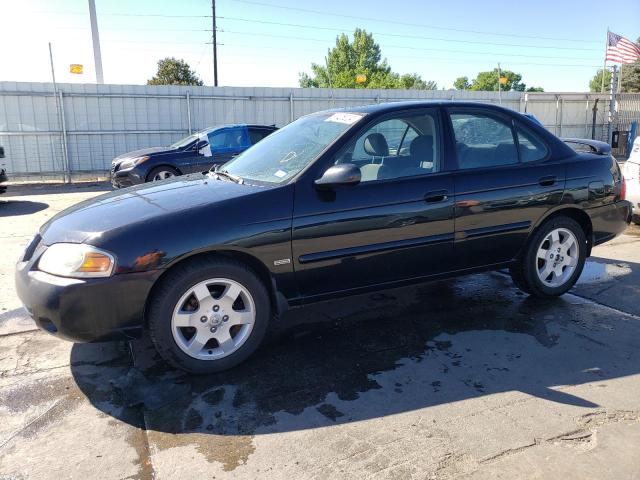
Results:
396 224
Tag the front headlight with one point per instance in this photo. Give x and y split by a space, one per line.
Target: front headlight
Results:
76 260
132 162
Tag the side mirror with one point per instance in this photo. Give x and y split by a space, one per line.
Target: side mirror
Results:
341 174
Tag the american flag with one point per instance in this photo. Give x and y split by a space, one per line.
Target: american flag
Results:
620 49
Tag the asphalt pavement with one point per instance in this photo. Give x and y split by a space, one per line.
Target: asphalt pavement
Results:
465 378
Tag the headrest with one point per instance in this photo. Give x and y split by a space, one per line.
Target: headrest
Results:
422 147
376 145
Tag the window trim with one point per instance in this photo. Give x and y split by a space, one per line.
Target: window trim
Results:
436 113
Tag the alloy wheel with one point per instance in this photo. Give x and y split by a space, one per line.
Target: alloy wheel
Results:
557 257
163 175
213 319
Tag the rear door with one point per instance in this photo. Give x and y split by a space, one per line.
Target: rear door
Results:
506 180
390 227
258 133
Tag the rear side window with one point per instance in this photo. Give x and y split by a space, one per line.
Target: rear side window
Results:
531 147
257 134
483 140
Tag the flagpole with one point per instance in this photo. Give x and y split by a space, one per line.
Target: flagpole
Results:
604 64
620 80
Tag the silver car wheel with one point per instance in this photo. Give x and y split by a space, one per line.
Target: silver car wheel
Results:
557 257
213 319
163 175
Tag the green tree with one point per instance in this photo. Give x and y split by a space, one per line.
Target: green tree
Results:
535 89
595 85
362 57
172 71
462 83
631 76
488 81
413 81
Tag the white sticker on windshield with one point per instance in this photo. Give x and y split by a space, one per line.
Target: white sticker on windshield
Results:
347 118
280 173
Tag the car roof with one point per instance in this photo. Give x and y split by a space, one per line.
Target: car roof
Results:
379 108
235 125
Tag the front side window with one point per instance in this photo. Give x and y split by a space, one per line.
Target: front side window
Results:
405 145
483 140
228 139
287 151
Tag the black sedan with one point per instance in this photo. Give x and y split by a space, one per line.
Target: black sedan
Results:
3 173
336 203
195 153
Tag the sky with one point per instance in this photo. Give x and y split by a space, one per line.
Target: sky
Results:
555 44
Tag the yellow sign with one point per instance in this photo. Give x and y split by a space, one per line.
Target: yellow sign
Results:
361 78
75 68
503 80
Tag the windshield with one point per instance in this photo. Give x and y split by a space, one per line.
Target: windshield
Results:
287 151
185 141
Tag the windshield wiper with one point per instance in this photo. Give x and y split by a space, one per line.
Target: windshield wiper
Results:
224 173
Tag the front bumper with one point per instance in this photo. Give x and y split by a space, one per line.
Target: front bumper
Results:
126 178
87 310
3 178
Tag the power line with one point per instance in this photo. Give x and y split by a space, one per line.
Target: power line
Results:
160 15
492 54
290 37
421 25
417 37
433 59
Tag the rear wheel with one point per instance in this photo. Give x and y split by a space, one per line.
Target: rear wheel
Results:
553 259
209 315
162 173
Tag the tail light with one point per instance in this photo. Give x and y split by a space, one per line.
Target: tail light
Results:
623 189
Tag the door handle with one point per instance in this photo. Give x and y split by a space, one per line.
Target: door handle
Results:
436 196
547 181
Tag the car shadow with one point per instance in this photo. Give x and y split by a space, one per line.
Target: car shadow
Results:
381 354
14 208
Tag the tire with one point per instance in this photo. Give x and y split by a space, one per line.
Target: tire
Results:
164 172
172 305
530 272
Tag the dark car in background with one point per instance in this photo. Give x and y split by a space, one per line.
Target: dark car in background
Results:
195 153
336 203
3 173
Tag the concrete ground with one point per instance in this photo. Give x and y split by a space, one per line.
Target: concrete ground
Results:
467 378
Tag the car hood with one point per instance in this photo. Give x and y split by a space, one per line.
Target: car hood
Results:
139 153
91 219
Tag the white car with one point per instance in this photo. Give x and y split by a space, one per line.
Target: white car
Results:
632 178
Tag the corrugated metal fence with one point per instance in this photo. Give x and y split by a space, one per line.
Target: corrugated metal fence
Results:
89 124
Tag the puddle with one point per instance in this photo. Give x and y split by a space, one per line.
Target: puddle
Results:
595 272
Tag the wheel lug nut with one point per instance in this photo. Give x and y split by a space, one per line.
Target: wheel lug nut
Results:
203 319
216 308
225 318
213 329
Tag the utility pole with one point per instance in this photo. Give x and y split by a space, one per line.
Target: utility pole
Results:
97 57
499 88
215 44
612 102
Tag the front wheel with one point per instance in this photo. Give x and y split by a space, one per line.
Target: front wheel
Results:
209 315
553 259
162 173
